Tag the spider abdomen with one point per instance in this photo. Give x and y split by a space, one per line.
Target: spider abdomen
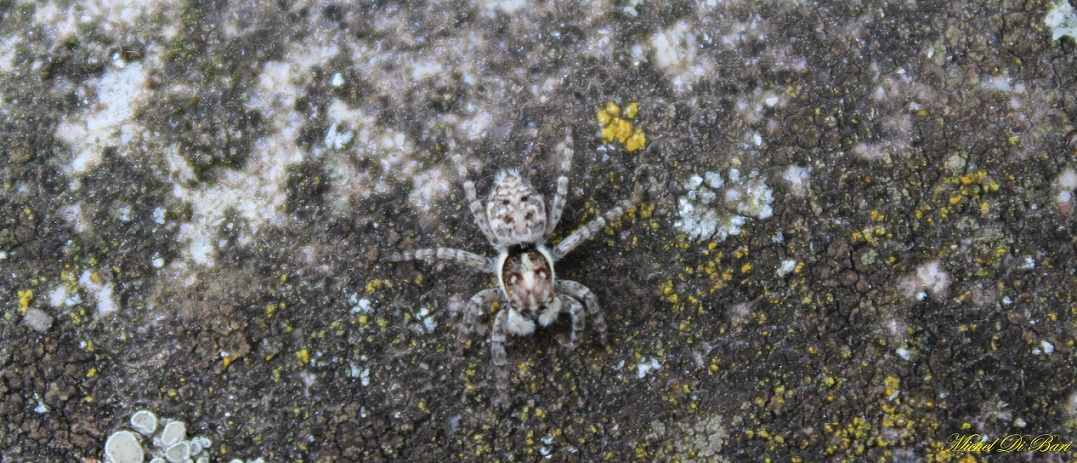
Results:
515 211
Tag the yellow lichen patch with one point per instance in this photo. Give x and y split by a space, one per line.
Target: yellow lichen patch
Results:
377 284
646 210
668 292
616 125
24 300
303 357
892 384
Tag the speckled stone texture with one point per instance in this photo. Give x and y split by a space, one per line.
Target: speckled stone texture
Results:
198 198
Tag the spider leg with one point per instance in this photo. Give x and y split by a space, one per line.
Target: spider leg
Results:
585 232
500 359
460 256
474 204
561 195
474 310
575 310
550 313
577 292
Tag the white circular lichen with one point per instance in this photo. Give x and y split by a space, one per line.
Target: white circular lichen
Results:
173 432
123 447
178 452
144 421
165 441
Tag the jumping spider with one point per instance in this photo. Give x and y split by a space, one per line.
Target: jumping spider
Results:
515 221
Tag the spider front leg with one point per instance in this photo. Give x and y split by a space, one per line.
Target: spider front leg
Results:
474 204
578 292
566 303
585 232
468 259
474 310
561 195
498 334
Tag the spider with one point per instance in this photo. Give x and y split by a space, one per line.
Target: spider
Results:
515 221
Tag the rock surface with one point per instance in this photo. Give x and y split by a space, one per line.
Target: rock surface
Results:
199 196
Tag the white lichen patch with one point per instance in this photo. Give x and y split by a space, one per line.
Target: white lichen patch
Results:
75 217
798 179
712 209
930 277
62 20
786 267
599 42
425 69
1062 20
123 447
1001 83
646 366
64 296
164 440
896 137
337 139
1064 185
99 291
426 321
700 440
109 117
37 320
7 55
429 188
676 55
345 180
360 305
506 6
1067 180
390 149
256 193
359 370
474 127
59 22
903 353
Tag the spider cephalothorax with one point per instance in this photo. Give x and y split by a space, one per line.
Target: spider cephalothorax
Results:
526 278
516 222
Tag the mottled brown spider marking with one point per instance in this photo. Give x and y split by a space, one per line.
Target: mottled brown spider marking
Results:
515 211
526 277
